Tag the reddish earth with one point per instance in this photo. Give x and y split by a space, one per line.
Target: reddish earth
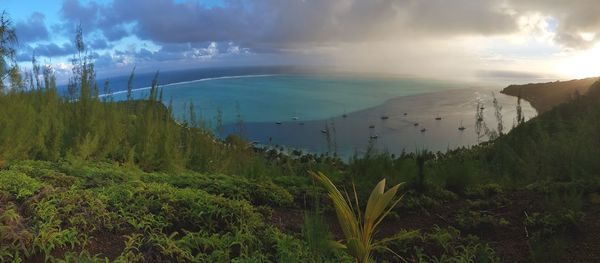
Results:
103 244
511 242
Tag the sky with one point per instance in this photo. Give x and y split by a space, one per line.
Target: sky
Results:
465 39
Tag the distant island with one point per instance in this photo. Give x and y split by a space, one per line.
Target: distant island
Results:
545 96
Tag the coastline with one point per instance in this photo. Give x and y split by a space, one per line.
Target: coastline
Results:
396 134
545 96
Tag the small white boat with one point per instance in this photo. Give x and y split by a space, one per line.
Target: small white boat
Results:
373 137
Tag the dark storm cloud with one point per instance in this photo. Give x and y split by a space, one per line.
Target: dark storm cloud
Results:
75 14
267 25
54 50
281 23
99 43
32 29
45 50
275 24
115 32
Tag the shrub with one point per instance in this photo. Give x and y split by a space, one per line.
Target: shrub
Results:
155 206
18 184
262 192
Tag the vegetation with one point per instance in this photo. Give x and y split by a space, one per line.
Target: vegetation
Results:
84 178
358 227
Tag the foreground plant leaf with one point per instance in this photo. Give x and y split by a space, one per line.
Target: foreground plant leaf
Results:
358 233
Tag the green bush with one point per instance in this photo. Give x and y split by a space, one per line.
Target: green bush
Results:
484 191
476 220
259 192
546 225
442 245
19 184
155 206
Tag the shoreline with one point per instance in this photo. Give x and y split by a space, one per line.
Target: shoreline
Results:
545 96
191 81
396 133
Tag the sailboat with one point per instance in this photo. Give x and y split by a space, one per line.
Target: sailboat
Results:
461 127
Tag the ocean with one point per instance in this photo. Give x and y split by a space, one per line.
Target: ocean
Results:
319 113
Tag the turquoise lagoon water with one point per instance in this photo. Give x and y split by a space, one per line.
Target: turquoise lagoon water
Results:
292 110
267 98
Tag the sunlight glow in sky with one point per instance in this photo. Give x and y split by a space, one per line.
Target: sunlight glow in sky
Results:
461 38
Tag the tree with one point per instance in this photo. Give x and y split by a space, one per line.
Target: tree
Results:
520 116
130 85
8 39
498 113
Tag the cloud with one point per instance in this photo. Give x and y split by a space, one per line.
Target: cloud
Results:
54 50
275 26
33 29
574 18
45 50
272 24
509 74
74 13
98 43
394 35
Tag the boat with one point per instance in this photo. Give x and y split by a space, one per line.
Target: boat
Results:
416 124
438 118
295 118
344 115
461 127
384 117
405 114
373 137
324 131
371 126
278 123
423 130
